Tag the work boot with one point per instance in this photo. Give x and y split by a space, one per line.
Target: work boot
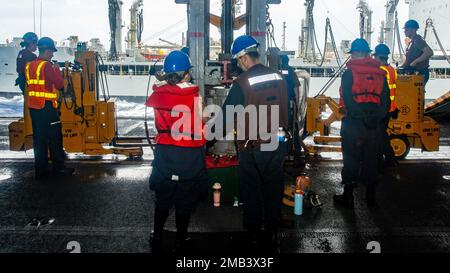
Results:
65 171
371 197
183 244
182 241
346 199
299 163
156 243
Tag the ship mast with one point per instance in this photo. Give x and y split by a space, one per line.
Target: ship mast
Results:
365 21
135 29
391 7
308 38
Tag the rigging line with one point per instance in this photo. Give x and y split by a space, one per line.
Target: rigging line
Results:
312 30
430 24
396 42
400 45
175 32
315 38
394 39
336 18
333 78
333 41
167 34
270 28
164 30
325 46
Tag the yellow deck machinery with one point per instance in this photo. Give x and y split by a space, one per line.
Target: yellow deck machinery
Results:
88 121
410 129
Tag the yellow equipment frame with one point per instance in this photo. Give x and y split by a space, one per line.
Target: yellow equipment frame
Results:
410 129
88 124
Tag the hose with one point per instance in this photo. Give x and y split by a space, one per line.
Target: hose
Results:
147 133
332 79
103 78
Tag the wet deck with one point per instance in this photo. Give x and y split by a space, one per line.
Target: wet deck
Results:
107 207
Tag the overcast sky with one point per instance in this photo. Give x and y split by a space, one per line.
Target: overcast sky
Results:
165 19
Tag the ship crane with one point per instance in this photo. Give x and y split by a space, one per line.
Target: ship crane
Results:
308 39
391 8
397 40
115 23
136 24
329 32
365 21
390 31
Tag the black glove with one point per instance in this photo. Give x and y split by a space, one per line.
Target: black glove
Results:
211 143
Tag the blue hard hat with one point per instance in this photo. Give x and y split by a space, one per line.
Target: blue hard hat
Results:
185 50
360 45
30 37
47 43
412 24
177 61
382 50
243 45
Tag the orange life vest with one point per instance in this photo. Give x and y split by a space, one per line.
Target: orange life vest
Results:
179 99
368 80
37 92
391 76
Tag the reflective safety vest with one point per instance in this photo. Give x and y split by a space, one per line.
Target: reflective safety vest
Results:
175 105
391 76
368 80
37 92
263 86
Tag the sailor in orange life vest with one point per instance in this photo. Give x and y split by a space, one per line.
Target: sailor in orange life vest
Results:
179 174
365 100
387 156
43 82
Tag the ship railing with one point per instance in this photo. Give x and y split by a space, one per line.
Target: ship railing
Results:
440 73
438 76
129 73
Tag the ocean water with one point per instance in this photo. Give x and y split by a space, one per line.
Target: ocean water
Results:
11 107
126 108
130 114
